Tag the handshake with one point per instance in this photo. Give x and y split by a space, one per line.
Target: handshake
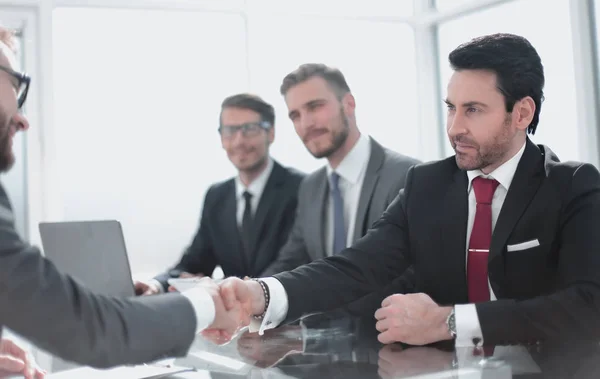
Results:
236 301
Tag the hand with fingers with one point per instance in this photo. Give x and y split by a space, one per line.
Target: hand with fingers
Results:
244 296
229 317
145 288
414 319
16 361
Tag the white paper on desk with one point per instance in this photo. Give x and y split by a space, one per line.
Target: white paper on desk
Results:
129 372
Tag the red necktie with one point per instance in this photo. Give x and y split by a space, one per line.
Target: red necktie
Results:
480 241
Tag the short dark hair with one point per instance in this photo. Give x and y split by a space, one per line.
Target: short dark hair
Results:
333 76
516 63
251 102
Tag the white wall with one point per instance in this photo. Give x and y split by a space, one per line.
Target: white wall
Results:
136 108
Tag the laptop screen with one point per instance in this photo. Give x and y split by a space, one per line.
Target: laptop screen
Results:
92 252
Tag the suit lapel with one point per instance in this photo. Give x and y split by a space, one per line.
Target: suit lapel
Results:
454 233
523 187
269 197
368 188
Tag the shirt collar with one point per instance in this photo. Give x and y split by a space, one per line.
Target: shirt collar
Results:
503 174
257 186
355 162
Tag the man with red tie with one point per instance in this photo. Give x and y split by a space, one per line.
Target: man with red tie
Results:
498 244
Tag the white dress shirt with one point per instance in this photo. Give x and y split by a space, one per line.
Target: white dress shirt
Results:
352 171
255 188
467 321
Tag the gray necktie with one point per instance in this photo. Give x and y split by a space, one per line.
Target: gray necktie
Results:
339 227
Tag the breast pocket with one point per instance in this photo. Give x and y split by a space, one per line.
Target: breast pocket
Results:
530 268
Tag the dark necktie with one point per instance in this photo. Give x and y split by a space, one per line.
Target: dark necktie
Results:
339 226
480 241
247 223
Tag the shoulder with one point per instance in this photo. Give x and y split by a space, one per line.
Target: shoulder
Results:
569 176
397 160
291 175
315 178
219 189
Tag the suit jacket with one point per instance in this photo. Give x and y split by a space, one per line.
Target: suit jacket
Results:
64 318
547 291
385 176
218 240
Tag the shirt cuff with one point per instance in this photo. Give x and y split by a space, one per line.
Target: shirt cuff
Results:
157 284
277 310
468 328
203 305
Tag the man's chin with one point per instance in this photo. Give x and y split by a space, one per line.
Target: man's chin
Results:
321 152
466 164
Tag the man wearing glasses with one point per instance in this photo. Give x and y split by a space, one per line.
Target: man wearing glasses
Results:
57 314
246 219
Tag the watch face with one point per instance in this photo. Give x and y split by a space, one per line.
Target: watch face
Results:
452 323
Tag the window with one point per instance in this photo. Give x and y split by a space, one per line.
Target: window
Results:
137 98
446 5
378 60
551 36
336 8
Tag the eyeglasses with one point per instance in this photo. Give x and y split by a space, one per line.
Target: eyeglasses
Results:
23 82
249 129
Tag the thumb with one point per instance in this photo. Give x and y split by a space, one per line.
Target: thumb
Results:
228 295
11 364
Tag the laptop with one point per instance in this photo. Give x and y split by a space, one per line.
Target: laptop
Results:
92 252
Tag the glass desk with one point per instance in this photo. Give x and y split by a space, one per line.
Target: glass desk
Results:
337 345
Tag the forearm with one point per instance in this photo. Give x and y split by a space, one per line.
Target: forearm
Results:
567 314
367 305
285 263
331 283
65 319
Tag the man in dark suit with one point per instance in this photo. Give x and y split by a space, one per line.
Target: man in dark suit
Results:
339 202
59 315
501 240
245 220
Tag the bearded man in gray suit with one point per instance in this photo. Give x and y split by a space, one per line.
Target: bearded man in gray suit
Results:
339 202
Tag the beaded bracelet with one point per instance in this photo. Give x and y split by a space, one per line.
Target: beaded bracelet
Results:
267 295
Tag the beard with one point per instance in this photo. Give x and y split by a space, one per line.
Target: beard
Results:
338 138
7 156
489 154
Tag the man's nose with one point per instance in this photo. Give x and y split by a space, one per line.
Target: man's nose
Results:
21 122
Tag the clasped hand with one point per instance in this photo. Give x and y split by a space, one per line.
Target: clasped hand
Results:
236 301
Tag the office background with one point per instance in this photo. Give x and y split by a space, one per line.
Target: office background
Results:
125 96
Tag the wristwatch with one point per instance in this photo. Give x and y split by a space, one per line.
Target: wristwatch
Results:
451 323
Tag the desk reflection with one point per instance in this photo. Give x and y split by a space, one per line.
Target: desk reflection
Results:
336 345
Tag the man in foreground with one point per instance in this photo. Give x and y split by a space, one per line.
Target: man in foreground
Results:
56 313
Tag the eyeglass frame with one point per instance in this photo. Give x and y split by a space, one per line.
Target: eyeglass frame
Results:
23 79
264 125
